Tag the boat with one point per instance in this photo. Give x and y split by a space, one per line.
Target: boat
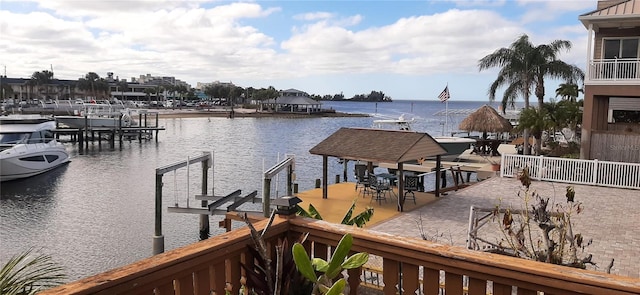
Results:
454 146
96 115
28 147
395 124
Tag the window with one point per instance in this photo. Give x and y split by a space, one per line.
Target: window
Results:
13 138
622 55
624 116
51 158
33 159
621 48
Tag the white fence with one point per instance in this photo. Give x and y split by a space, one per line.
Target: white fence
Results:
589 172
615 69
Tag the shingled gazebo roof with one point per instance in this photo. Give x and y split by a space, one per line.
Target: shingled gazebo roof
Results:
377 145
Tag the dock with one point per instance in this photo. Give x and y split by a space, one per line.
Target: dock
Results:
143 131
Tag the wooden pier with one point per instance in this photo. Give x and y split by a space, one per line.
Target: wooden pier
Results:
144 131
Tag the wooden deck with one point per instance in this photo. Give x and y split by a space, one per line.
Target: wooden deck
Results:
341 196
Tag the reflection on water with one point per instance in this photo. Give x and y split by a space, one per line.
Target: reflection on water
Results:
97 212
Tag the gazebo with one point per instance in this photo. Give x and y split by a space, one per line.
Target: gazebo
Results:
379 146
292 104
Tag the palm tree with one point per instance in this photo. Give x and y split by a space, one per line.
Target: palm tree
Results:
148 92
536 120
23 274
5 89
42 80
523 68
568 91
124 86
89 83
182 90
102 87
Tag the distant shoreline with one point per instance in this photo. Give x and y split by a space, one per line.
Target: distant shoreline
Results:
213 112
247 113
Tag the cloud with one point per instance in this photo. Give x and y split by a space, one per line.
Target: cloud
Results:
313 16
449 41
197 42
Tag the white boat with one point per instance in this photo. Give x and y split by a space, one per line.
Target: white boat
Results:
97 116
28 148
454 146
395 124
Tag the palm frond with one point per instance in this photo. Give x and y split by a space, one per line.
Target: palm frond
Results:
24 274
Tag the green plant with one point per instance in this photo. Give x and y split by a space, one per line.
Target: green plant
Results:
359 220
268 276
23 274
324 284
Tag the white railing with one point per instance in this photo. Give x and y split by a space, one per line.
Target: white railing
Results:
589 172
621 69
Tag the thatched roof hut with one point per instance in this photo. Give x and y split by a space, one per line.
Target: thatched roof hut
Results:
485 119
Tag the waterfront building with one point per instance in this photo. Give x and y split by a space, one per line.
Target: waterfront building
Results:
27 91
611 118
203 85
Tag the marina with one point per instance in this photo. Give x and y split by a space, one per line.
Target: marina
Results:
103 201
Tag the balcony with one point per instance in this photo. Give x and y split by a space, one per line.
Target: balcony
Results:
411 264
623 71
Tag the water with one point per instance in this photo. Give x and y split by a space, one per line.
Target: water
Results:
97 212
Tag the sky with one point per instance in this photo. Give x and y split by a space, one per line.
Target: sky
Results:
406 49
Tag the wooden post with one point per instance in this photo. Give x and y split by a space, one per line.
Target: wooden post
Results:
80 140
345 172
437 176
325 176
400 175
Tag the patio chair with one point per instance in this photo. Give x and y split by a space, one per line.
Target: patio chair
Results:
378 189
362 179
411 184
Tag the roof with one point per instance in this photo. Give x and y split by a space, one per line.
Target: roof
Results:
295 100
378 145
485 119
621 14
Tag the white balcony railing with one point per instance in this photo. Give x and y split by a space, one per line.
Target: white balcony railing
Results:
619 70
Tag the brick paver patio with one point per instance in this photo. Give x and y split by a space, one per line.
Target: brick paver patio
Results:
611 217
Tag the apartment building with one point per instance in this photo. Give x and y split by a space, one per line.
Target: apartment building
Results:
611 118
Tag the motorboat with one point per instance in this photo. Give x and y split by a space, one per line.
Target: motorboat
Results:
96 115
395 124
454 146
28 147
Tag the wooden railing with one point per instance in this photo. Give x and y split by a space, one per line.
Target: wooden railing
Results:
407 264
620 70
589 172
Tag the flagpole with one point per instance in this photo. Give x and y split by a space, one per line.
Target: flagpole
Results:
446 116
446 111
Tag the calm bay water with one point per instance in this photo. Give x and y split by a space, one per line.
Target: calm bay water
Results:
97 212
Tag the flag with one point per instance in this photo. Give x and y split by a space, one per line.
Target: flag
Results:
444 95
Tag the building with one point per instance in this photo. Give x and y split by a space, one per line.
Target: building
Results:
143 89
611 118
158 80
292 101
201 86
